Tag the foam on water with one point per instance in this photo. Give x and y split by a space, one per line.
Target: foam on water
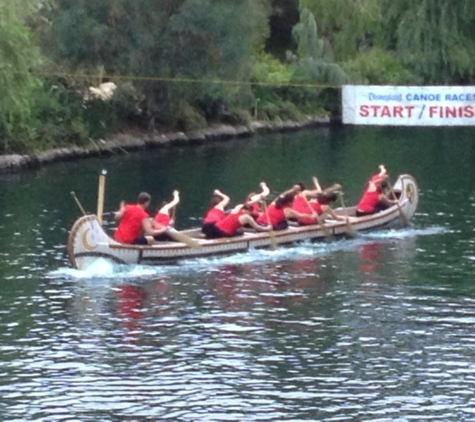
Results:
105 269
405 233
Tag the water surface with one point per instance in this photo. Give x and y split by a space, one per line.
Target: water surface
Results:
377 328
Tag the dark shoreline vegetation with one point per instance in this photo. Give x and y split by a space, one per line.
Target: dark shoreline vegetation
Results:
199 66
128 142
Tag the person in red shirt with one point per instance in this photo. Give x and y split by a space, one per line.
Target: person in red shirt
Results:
254 199
237 218
164 218
322 205
301 203
134 221
216 212
280 210
317 200
165 213
374 198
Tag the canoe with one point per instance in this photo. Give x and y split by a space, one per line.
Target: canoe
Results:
88 240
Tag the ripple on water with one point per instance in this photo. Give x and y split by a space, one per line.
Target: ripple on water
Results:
333 331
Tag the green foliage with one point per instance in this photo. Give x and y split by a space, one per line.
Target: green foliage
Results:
315 65
187 63
57 117
215 40
306 36
282 91
172 39
187 117
18 57
315 55
435 39
350 26
378 67
268 70
268 76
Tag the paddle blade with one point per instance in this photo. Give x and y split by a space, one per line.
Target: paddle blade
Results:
350 229
183 238
327 230
404 220
273 240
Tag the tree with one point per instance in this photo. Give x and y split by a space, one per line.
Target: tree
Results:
314 54
19 57
434 38
170 49
350 26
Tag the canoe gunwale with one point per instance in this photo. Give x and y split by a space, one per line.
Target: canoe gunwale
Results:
88 239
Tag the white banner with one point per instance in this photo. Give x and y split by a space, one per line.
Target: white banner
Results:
409 105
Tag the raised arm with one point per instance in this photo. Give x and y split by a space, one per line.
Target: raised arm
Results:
310 193
246 219
172 204
294 189
382 170
329 210
120 213
152 228
224 199
264 190
290 213
332 188
257 197
386 200
317 185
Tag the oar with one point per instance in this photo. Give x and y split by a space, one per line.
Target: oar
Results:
78 203
404 220
174 215
100 196
351 230
327 231
272 238
183 238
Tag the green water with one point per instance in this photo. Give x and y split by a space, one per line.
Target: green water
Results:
375 328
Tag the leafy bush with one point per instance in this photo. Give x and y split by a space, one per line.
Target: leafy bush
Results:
378 67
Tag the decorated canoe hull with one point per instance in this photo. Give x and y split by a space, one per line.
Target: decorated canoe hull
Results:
88 240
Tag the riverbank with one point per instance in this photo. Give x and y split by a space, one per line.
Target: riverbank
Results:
134 141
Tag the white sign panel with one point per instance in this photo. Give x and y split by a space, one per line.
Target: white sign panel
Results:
409 105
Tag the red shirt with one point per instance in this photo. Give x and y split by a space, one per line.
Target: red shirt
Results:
302 206
130 226
368 202
276 216
317 207
214 215
230 224
163 218
255 209
374 178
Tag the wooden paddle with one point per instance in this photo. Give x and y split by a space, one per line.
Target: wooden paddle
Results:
173 217
327 231
351 230
100 196
73 194
272 238
183 238
404 220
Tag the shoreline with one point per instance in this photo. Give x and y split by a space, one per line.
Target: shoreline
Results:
136 141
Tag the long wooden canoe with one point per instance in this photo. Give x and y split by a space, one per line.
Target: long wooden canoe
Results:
88 240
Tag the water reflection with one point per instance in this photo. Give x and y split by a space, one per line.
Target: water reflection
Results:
324 332
376 328
130 306
369 254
